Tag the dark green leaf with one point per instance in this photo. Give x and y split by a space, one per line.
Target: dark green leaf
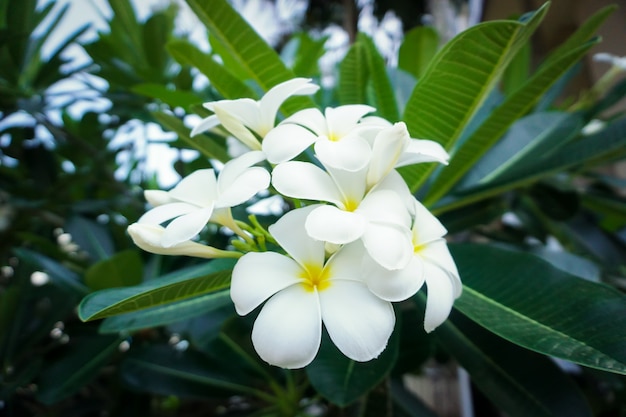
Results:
384 97
458 80
206 145
520 382
173 98
162 370
120 270
527 301
194 281
82 362
166 314
342 380
59 275
353 73
418 48
91 237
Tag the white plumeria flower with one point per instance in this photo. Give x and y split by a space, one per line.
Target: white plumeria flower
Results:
201 197
616 61
244 118
431 263
379 218
393 147
148 237
337 136
302 291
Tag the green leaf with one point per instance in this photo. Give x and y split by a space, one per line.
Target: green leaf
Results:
519 382
353 74
418 48
457 82
309 52
173 98
120 270
384 97
530 303
223 80
91 237
59 274
162 370
206 145
82 362
166 314
515 106
518 71
342 380
187 283
245 46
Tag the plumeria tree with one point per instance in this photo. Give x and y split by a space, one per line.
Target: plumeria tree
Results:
328 242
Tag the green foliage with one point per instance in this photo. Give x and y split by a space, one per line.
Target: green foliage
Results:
515 151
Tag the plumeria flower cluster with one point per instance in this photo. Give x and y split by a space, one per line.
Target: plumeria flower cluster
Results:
360 242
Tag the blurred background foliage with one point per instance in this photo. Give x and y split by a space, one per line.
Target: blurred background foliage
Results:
69 187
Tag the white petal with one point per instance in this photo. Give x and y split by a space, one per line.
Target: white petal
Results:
426 227
199 188
186 226
385 206
350 183
288 330
290 233
237 129
351 153
306 181
440 296
286 141
330 224
423 151
204 125
389 245
346 263
235 167
393 181
245 187
148 238
245 110
275 97
341 120
437 253
358 322
388 146
397 285
157 197
259 275
312 119
161 214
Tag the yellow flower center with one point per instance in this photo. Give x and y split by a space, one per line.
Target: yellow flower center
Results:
350 205
315 277
418 248
333 137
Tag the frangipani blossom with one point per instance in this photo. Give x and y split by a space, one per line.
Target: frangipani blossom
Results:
302 291
244 118
380 218
392 147
201 197
148 237
431 263
337 136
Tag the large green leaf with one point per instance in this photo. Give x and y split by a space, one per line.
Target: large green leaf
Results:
166 314
226 83
515 106
527 301
418 49
342 380
245 46
173 98
162 370
206 145
81 363
608 144
120 270
384 97
309 52
91 237
60 275
353 76
194 281
458 80
520 382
